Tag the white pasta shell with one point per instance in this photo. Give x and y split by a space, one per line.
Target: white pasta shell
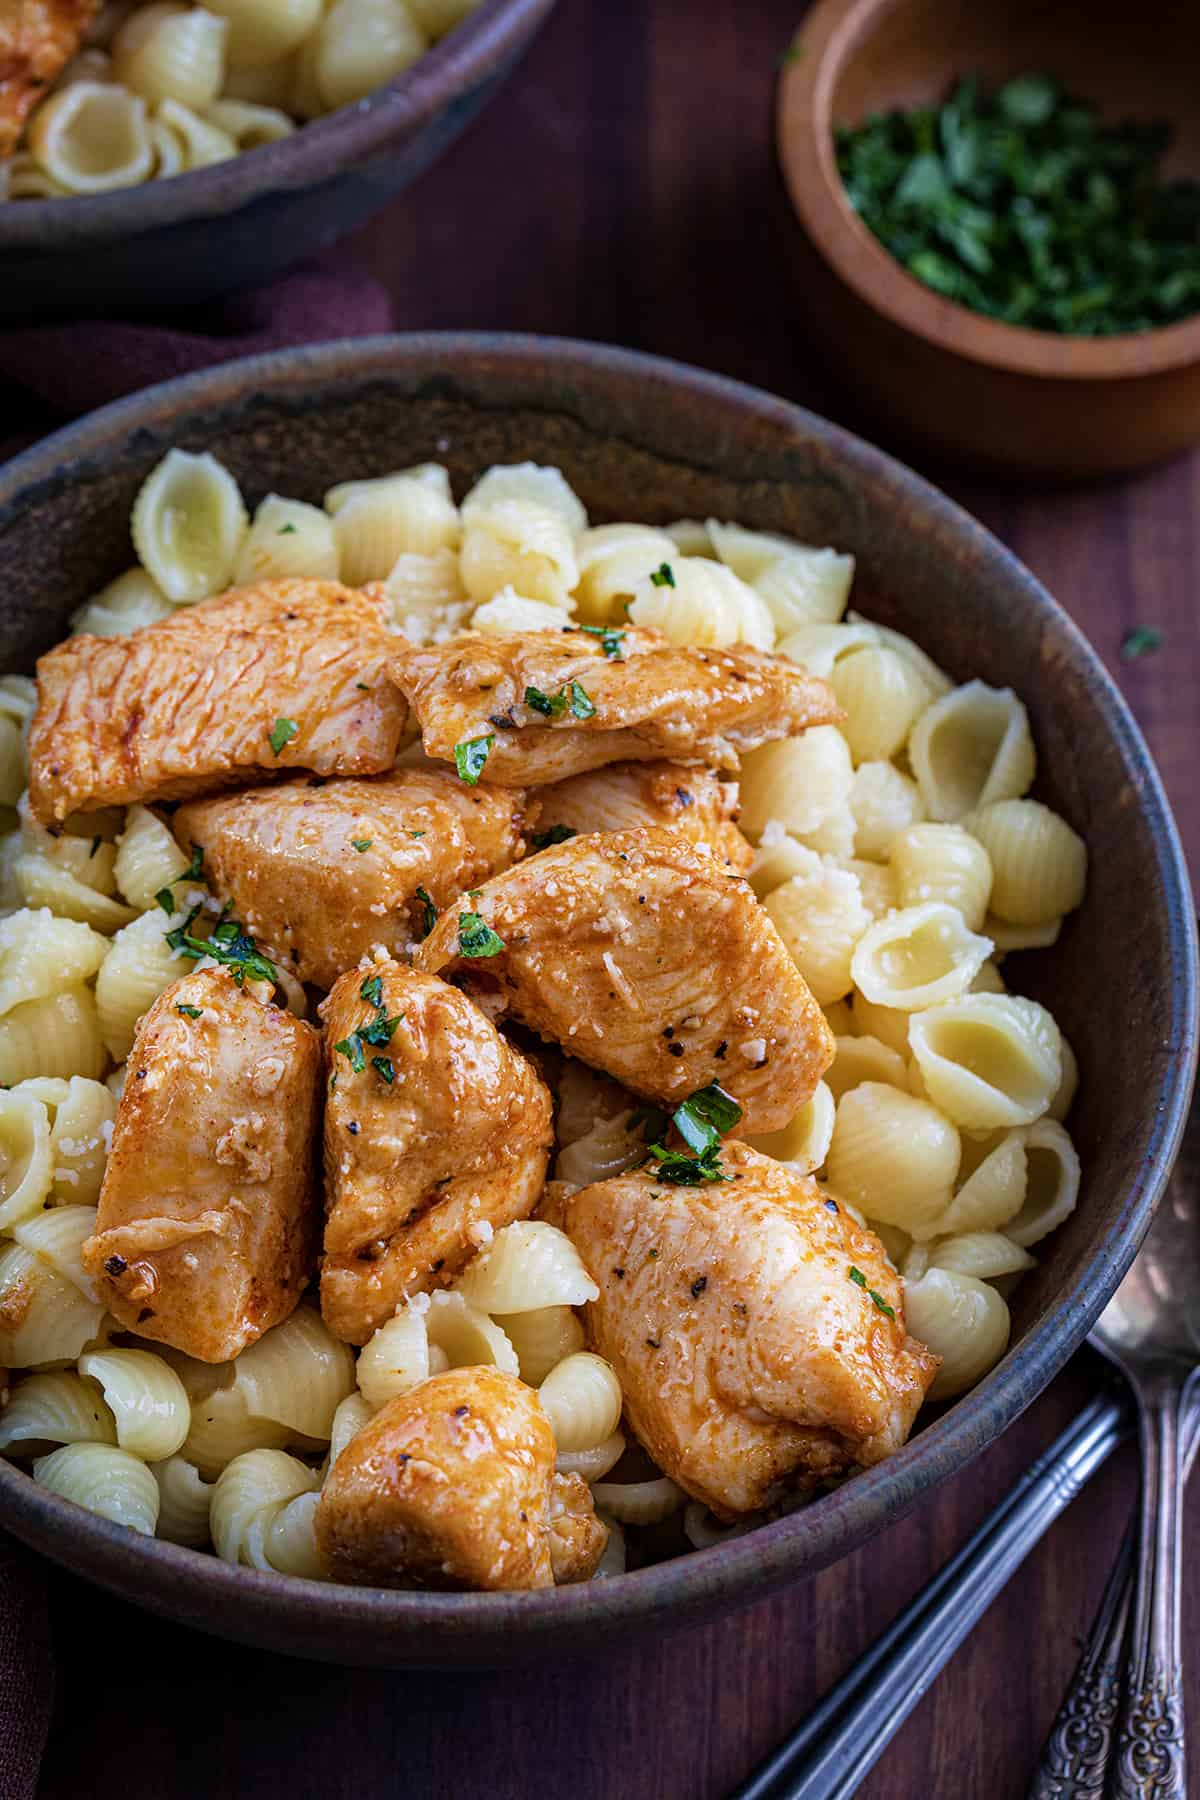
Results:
57 1235
862 1058
521 544
608 1148
943 863
888 1024
987 1255
251 127
704 604
127 604
935 678
962 1320
527 1266
893 1156
1039 862
1007 938
876 884
26 1166
221 1428
884 801
376 522
184 1502
972 747
1060 1106
44 880
91 138
797 782
427 599
466 1336
613 1559
59 1035
106 1481
171 52
44 1319
639 1502
200 142
595 1463
290 1543
296 1375
529 482
804 1141
57 1407
820 648
40 954
800 584
148 859
541 1338
612 560
188 522
395 1358
820 916
883 696
1052 1184
581 1397
349 1419
263 32
146 1398
507 612
248 1495
918 957
286 538
139 966
989 1060
994 1192
79 1140
702 1530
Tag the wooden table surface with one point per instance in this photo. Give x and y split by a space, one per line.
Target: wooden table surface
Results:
620 189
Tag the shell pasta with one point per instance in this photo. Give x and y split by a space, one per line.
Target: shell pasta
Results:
388 1155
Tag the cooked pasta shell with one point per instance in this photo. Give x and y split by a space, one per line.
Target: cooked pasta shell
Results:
127 604
608 1148
375 522
541 1339
262 32
989 1060
805 1141
1052 1183
918 957
528 482
290 1542
106 1481
140 965
886 1023
795 783
945 863
821 918
612 560
349 1419
46 881
59 1035
1060 1106
1039 863
428 600
395 1359
581 1397
639 1502
148 858
821 648
521 544
593 1464
893 1156
58 1407
800 584
188 523
465 1336
201 143
993 1193
507 612
91 138
184 1499
246 1499
169 51
884 802
935 678
39 954
860 1058
527 1266
251 127
987 1255
286 537
57 1235
44 1319
883 697
876 884
146 1398
970 748
703 603
964 1321
296 1374
26 1161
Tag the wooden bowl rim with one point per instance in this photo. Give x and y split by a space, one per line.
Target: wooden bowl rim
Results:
630 394
463 60
831 32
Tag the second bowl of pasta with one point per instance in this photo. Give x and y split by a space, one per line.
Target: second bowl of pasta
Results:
165 153
556 996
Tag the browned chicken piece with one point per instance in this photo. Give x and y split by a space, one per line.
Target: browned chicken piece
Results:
38 38
437 1132
285 675
207 1226
452 1485
741 1318
664 795
326 873
553 704
642 957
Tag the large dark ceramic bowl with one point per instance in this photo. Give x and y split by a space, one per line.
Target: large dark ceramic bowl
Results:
171 243
643 439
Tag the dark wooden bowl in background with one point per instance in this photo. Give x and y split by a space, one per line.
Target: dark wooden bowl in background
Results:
1001 397
197 236
644 439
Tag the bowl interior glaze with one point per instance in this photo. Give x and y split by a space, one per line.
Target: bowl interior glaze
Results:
644 439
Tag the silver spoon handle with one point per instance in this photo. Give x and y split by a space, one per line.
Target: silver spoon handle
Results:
1149 1757
1075 1759
829 1755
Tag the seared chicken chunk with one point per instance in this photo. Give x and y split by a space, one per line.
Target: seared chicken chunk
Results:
207 1226
642 957
325 873
437 1133
452 1485
757 1332
38 38
665 795
553 703
286 675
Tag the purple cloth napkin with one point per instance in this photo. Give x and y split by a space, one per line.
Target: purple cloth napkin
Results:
48 376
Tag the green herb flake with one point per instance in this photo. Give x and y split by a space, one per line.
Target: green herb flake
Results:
857 1277
663 576
681 1170
166 899
230 945
471 756
557 834
362 687
361 844
372 990
351 1048
580 701
476 937
379 1032
611 640
1143 640
416 834
384 1065
195 869
705 1117
282 732
431 911
285 530
548 706
189 1012
881 1303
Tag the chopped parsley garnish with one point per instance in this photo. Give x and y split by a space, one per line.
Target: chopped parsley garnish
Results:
857 1277
557 834
351 1048
581 704
362 687
543 704
372 990
282 732
379 1031
166 899
881 1303
384 1066
285 530
1143 640
706 1116
431 911
189 1012
682 1170
663 576
195 869
471 756
701 1121
860 1280
573 695
361 844
416 834
230 945
476 937
610 640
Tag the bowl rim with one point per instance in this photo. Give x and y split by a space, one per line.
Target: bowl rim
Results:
390 1626
831 32
456 64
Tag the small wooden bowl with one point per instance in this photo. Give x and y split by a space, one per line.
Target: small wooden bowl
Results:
1000 396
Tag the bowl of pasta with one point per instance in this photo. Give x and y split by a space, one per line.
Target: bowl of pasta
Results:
162 153
564 925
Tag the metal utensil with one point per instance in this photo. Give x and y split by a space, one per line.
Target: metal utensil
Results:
1148 1330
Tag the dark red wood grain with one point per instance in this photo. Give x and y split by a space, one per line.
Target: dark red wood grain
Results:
623 189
